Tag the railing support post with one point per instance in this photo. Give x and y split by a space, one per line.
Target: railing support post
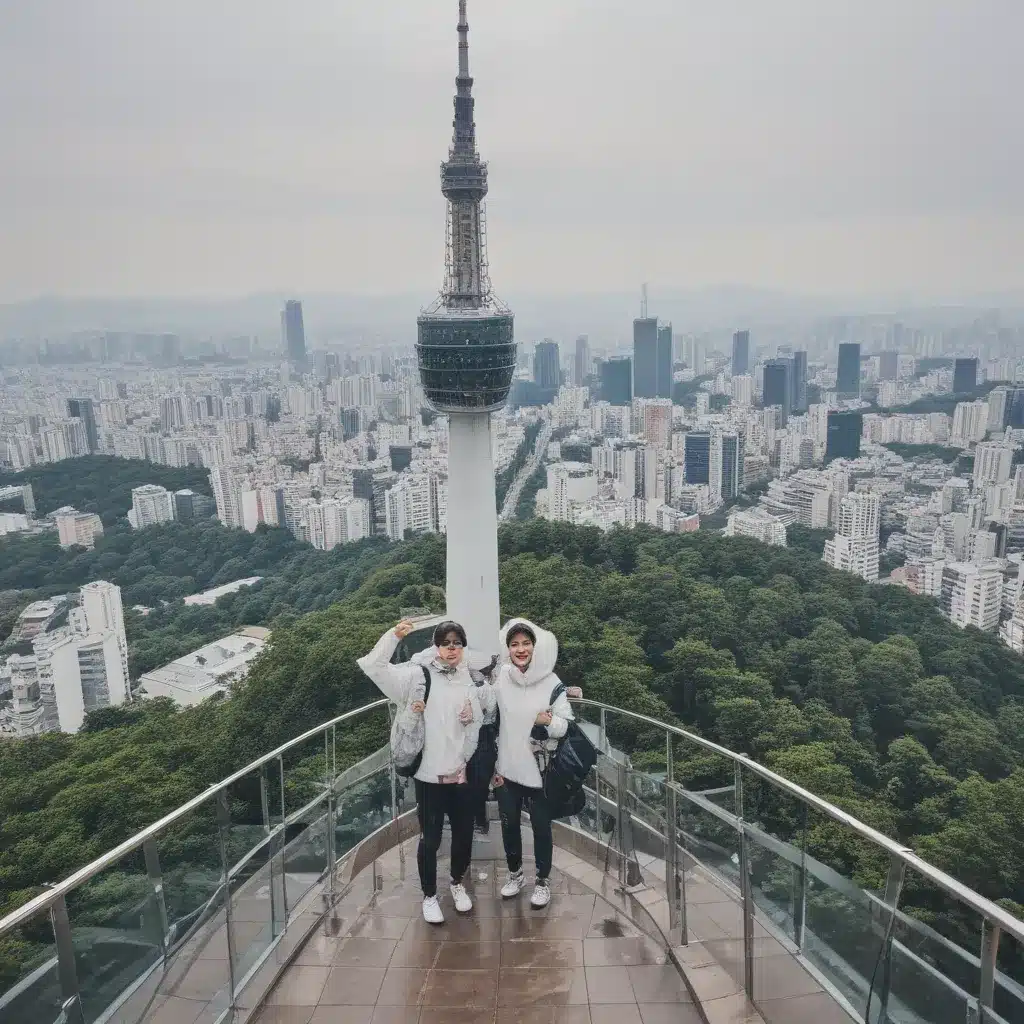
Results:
284 844
620 817
156 880
267 829
745 887
990 934
891 898
223 829
800 888
330 774
602 747
67 972
675 876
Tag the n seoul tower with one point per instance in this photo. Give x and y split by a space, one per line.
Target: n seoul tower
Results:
467 357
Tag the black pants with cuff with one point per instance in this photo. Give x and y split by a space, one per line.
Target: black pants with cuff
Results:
512 797
434 801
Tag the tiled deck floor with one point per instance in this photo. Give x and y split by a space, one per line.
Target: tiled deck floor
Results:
578 961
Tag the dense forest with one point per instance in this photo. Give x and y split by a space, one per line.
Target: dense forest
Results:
863 694
102 484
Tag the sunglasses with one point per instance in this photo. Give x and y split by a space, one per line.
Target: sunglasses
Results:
452 645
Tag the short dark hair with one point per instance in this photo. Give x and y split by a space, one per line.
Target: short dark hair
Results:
520 629
444 628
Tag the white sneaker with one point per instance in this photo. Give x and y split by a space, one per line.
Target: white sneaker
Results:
432 912
513 885
463 904
541 895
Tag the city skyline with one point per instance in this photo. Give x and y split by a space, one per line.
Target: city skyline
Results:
172 176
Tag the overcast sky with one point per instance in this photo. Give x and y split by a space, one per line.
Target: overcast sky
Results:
206 147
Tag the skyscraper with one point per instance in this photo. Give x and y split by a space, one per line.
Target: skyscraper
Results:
645 357
581 363
546 365
848 374
664 383
799 395
617 380
294 333
697 457
82 409
965 376
778 385
888 365
843 437
740 353
467 358
855 546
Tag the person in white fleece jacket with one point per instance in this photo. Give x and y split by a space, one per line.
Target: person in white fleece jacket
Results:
528 732
452 715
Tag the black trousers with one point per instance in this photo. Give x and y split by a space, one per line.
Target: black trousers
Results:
433 802
511 799
480 771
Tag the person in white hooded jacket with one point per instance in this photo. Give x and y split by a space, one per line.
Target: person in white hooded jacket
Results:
529 729
452 715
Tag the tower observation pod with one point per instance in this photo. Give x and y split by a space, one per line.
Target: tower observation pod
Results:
467 356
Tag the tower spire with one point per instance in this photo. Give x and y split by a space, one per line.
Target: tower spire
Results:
464 140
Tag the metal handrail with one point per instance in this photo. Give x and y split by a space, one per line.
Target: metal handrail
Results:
57 892
984 907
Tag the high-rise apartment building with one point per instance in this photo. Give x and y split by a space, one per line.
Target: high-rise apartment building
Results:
970 423
843 437
741 353
581 361
759 524
965 376
617 381
101 603
848 373
665 379
854 548
293 333
547 373
81 529
82 409
972 594
151 504
993 463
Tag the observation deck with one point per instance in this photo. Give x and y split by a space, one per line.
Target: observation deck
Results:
706 890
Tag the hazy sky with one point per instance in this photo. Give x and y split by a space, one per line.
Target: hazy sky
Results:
233 146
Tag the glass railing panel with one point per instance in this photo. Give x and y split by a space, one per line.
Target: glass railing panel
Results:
845 917
249 849
1008 1001
191 868
708 829
117 930
272 801
362 807
29 984
776 828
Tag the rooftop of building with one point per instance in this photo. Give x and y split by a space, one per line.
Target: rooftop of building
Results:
211 596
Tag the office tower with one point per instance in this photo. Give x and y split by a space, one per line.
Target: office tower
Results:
467 357
151 504
732 453
799 382
854 548
1014 414
965 376
294 333
189 505
740 353
645 357
546 370
888 365
697 457
777 389
581 362
848 374
401 456
971 594
617 381
664 385
843 438
82 409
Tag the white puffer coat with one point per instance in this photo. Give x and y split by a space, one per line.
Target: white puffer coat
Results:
521 697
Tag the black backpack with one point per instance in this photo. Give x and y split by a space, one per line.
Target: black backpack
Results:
411 769
568 768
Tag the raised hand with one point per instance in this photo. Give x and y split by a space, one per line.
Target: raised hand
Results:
403 629
544 718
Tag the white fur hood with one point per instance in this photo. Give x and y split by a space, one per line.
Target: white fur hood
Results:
545 654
